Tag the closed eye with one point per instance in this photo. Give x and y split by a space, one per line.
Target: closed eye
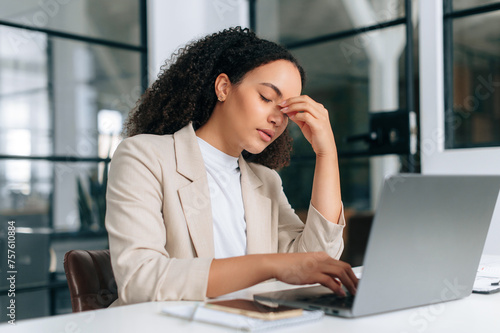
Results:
265 99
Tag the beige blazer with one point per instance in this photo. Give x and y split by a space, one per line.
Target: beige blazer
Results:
159 218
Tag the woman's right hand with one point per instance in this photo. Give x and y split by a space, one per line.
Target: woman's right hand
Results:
314 267
236 273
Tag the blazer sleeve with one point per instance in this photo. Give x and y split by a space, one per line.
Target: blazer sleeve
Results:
143 269
317 234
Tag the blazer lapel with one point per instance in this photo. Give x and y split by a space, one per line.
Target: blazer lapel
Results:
195 196
257 211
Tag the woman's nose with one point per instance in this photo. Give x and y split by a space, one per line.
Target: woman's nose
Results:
277 117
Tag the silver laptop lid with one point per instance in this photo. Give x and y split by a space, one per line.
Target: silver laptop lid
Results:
426 241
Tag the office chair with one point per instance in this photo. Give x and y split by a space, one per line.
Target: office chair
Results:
90 279
356 235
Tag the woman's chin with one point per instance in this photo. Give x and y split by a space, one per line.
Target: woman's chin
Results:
255 151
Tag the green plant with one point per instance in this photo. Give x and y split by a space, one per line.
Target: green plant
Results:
92 201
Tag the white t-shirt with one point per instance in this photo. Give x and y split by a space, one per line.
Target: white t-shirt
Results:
223 172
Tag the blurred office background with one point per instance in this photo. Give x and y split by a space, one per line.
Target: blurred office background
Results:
71 70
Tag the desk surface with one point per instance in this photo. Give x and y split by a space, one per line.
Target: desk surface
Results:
476 313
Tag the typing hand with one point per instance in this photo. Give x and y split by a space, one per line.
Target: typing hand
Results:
315 267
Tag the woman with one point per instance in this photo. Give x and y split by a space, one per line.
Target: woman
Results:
194 207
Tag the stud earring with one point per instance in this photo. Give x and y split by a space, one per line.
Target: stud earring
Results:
221 99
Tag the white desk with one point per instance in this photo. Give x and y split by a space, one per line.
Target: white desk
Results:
476 313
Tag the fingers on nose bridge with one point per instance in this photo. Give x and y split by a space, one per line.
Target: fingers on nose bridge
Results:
277 117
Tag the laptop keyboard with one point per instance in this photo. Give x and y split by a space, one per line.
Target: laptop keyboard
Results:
330 300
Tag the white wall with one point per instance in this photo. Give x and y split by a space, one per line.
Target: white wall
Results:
173 23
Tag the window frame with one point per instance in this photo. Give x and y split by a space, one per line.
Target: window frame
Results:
435 157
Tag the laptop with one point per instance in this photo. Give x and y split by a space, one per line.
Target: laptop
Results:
424 247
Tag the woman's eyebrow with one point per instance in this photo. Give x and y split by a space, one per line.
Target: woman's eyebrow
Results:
270 85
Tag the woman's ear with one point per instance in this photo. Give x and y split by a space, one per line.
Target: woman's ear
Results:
222 87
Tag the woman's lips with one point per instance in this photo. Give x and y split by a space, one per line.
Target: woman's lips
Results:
266 135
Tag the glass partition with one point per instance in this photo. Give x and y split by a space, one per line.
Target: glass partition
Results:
472 79
63 98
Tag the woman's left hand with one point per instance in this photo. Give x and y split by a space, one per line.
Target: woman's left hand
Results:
314 122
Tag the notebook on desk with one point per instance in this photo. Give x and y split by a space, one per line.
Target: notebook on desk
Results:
204 314
424 247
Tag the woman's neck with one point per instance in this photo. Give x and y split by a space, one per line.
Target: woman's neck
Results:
218 136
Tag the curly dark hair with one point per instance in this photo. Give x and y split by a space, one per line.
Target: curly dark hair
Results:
184 90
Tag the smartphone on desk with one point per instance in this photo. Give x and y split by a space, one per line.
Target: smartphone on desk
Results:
254 309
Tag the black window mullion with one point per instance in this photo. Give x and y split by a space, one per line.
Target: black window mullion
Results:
75 37
252 10
343 34
144 43
449 13
52 111
56 158
410 103
448 73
